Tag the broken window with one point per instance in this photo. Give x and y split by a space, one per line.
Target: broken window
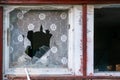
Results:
44 39
38 38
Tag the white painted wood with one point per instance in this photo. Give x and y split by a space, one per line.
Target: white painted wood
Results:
107 73
77 39
70 41
6 48
90 40
8 8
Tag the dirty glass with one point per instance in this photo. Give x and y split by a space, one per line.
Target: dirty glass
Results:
38 38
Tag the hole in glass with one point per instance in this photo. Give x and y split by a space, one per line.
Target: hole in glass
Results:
39 43
38 38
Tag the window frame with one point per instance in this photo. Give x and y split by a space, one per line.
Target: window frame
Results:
86 73
74 53
90 45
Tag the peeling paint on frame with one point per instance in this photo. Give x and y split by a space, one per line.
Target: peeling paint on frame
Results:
90 29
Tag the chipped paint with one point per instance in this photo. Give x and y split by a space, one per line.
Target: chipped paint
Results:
77 39
91 74
90 13
70 69
81 67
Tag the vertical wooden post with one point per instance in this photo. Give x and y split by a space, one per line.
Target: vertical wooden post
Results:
1 41
84 21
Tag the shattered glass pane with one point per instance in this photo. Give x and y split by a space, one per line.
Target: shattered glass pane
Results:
38 39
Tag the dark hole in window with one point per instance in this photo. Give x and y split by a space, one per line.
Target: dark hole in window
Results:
107 39
39 43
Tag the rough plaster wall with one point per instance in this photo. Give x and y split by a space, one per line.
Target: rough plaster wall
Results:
55 21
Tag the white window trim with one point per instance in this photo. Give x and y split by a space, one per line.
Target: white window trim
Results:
90 46
75 42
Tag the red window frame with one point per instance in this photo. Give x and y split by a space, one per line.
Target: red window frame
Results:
84 19
59 2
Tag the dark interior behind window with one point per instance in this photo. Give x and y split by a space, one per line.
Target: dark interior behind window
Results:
107 39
